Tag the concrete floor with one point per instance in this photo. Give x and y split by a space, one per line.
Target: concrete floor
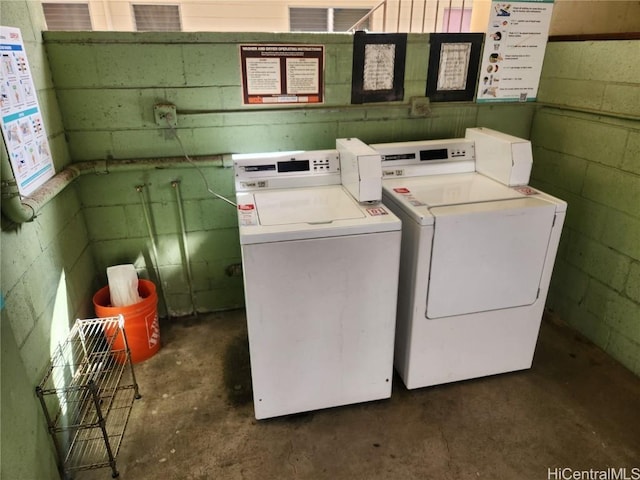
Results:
576 408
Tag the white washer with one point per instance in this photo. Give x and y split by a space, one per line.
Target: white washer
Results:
476 262
320 279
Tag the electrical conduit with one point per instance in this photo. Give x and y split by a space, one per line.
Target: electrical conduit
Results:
185 243
24 209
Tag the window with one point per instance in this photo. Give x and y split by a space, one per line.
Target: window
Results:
456 20
345 18
263 15
308 20
67 16
325 19
157 18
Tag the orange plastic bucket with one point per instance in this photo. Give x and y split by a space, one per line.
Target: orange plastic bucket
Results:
140 320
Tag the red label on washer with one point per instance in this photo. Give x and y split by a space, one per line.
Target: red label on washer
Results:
246 206
402 190
526 190
375 211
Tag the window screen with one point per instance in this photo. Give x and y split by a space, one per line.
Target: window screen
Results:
308 20
345 18
326 19
157 18
67 16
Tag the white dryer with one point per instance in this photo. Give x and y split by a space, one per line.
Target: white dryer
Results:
320 278
476 258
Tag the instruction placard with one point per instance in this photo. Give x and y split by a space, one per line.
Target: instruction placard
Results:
282 74
20 116
514 51
454 65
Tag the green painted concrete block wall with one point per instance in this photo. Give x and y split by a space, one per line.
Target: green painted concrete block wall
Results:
98 105
591 158
107 85
47 277
117 229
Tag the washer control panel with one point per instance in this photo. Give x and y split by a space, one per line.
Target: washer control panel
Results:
324 165
286 169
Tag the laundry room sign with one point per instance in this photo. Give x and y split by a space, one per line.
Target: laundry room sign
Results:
20 116
514 50
277 74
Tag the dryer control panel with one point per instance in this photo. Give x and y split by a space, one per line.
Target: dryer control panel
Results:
427 157
286 169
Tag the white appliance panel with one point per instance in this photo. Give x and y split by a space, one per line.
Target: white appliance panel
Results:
488 256
360 169
436 351
439 351
476 258
472 346
370 218
454 189
503 157
305 205
321 321
415 258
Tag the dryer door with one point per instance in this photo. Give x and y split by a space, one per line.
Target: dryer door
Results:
487 256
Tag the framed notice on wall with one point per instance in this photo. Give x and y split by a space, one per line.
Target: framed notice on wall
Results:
279 74
514 51
453 66
378 67
20 116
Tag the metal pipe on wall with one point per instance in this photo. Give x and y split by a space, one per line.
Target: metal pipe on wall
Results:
411 17
12 206
24 209
154 247
384 16
185 244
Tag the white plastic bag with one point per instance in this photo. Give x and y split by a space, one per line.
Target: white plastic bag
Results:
123 285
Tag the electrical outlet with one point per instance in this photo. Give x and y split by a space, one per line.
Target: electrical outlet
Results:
420 107
234 270
165 115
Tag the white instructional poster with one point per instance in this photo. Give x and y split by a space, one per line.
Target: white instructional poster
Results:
379 64
282 74
454 65
514 51
20 116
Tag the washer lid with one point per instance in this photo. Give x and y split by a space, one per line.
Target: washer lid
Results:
316 205
307 213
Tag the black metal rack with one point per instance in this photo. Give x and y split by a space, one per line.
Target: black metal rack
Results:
87 394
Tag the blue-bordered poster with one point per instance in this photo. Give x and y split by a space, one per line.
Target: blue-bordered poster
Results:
514 51
20 116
